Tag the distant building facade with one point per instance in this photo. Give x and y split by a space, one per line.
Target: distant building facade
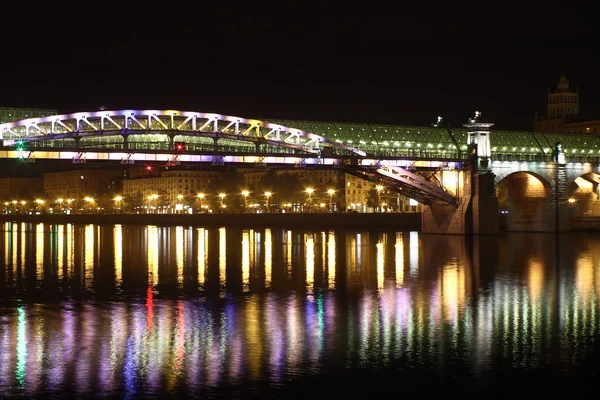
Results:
563 114
171 184
20 188
78 184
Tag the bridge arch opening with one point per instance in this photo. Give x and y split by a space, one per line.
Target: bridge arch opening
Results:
524 199
584 195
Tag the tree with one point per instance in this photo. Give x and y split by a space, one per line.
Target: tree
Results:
230 183
372 198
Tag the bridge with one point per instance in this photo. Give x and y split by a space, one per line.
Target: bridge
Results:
455 172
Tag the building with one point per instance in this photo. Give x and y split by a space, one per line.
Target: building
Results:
365 196
563 114
78 184
252 177
170 185
20 188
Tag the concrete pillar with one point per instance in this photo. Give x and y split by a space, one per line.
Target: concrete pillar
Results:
215 140
560 193
476 213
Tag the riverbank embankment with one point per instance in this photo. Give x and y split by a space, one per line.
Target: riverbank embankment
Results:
395 221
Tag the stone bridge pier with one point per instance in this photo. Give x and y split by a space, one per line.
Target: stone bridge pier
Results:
532 197
477 209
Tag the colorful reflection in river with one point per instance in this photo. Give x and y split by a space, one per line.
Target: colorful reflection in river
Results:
127 310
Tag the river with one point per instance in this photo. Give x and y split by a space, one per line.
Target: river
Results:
135 311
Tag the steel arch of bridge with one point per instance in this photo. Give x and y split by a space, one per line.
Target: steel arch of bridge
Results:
169 122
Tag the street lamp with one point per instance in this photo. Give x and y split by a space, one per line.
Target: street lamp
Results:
40 203
90 201
245 193
309 191
200 197
222 197
118 200
180 204
60 203
150 198
379 189
267 196
331 192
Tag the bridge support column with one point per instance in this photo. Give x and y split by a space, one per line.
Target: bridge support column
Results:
125 142
257 147
215 140
171 137
476 212
560 194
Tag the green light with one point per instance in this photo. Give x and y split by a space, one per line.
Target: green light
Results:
21 346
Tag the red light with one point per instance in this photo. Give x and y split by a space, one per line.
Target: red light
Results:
149 167
179 147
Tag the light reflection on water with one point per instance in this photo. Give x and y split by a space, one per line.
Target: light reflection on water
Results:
147 310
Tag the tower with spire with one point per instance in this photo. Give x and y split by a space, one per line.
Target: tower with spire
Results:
563 103
563 106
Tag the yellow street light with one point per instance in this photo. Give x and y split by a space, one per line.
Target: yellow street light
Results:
268 196
150 198
309 191
118 200
331 192
200 197
90 201
245 193
379 189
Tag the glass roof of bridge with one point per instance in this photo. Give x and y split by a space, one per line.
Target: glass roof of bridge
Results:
370 136
12 114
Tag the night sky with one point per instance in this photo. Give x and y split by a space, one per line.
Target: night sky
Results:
310 62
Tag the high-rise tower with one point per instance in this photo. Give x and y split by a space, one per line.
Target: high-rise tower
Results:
563 103
563 106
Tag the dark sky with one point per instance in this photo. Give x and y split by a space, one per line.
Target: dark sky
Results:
317 62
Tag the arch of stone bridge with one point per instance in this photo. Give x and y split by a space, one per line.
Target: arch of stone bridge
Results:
186 123
584 192
543 173
525 198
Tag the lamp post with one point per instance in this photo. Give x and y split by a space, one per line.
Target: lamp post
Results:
60 204
268 196
222 197
379 189
200 198
118 200
330 192
245 193
150 198
310 191
40 205
69 202
90 201
180 198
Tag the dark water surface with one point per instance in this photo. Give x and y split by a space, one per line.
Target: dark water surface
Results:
143 311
